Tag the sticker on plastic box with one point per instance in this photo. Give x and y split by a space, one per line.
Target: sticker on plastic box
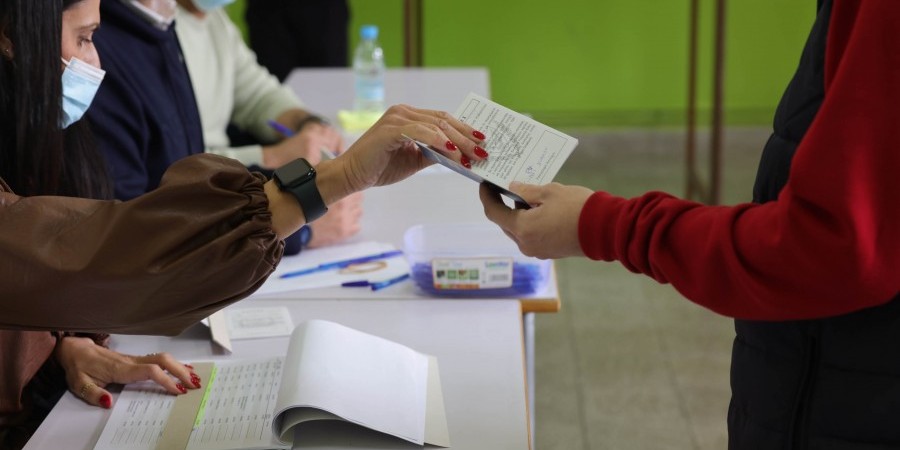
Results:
472 273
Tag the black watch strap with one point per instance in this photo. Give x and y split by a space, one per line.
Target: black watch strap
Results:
299 178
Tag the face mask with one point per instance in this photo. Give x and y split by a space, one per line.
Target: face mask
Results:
160 13
80 82
209 5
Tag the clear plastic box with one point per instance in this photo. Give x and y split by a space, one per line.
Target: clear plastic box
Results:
471 260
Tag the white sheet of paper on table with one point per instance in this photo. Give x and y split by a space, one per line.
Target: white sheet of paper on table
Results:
249 323
382 270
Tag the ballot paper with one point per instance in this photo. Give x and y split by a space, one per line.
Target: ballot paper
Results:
520 148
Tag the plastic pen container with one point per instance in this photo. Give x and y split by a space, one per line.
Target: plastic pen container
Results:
471 260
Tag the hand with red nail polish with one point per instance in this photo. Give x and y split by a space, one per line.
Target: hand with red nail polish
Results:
478 135
90 368
480 152
385 154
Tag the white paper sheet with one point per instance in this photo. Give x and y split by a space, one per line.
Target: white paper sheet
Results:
249 323
375 271
137 419
240 407
238 411
521 149
342 371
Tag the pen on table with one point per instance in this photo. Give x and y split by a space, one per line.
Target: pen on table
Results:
202 411
389 282
287 132
361 283
343 263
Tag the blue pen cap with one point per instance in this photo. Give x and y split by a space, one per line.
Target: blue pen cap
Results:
369 32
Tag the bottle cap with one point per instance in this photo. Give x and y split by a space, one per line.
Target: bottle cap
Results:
369 32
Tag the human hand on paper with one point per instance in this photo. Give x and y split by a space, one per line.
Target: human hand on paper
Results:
339 223
90 368
384 156
550 228
307 144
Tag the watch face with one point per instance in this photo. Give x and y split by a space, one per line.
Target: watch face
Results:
295 173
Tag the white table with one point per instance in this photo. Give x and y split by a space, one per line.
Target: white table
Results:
434 196
478 345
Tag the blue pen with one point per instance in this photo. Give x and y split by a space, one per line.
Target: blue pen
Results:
390 282
283 130
342 264
362 283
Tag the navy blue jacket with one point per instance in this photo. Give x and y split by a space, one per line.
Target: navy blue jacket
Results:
145 114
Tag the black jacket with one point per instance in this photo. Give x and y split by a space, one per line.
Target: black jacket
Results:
818 384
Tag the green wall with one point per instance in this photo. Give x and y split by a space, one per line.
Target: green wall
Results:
604 62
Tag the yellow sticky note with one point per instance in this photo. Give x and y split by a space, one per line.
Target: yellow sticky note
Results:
357 120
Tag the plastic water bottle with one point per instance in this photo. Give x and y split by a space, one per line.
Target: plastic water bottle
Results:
368 71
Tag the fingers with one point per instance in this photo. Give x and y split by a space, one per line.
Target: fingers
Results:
323 136
92 394
167 362
494 209
159 368
340 222
460 136
531 193
442 131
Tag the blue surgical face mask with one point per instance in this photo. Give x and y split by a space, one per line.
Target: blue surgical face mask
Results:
80 82
209 5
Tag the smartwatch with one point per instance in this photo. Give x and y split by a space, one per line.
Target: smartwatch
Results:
299 178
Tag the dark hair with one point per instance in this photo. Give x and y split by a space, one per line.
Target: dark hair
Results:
36 156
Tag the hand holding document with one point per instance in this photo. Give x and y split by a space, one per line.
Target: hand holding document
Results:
520 148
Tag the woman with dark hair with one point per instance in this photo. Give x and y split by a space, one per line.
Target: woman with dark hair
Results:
37 366
208 236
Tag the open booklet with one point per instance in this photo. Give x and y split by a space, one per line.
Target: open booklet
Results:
521 149
331 373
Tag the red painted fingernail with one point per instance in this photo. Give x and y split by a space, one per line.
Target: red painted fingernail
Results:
465 162
181 388
189 366
480 152
195 379
106 401
478 135
451 146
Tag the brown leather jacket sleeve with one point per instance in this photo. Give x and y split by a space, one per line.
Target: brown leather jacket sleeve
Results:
153 265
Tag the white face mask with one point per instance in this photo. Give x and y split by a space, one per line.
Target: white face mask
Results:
80 82
160 13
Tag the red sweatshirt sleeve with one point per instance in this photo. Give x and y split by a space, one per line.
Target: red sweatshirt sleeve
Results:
830 243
